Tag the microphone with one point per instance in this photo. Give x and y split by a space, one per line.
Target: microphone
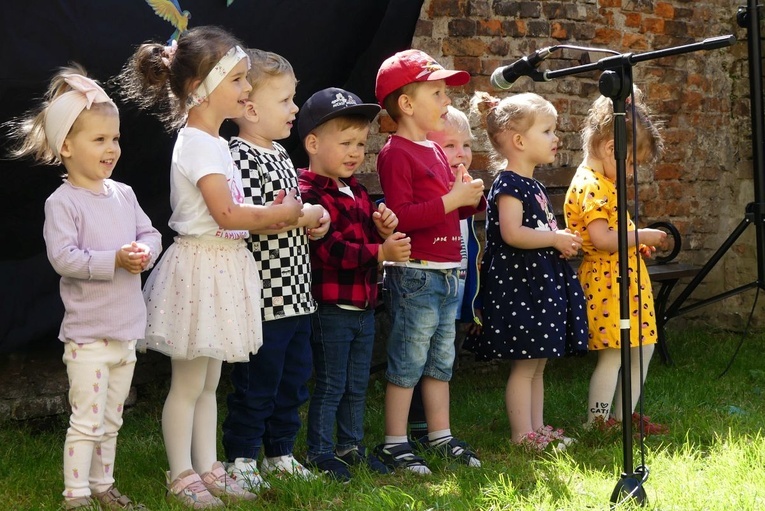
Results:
504 77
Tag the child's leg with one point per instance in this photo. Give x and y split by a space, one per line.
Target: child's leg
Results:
330 345
86 365
523 387
416 299
258 382
435 398
438 369
192 393
538 396
350 416
397 401
118 376
204 439
341 345
414 319
603 384
635 378
439 362
283 424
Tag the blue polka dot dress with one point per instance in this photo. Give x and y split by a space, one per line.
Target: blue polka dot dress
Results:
533 303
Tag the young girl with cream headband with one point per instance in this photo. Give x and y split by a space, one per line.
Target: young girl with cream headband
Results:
99 240
203 299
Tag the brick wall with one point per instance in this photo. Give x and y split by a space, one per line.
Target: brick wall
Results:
704 181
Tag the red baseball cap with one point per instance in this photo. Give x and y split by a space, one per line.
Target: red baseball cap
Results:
411 66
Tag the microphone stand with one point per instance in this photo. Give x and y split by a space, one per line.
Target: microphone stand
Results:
616 83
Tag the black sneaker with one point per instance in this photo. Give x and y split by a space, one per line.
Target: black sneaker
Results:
457 450
332 466
401 456
359 456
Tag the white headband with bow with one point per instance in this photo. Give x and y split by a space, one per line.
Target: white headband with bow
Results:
66 108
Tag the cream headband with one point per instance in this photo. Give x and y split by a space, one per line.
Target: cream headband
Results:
66 108
216 75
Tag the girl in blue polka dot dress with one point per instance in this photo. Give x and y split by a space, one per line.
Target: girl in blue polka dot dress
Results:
534 307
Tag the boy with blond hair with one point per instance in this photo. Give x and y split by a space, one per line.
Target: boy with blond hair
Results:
263 407
422 294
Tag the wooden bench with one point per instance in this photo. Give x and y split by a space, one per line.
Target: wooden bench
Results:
663 270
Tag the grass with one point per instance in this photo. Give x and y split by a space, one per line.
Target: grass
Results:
713 458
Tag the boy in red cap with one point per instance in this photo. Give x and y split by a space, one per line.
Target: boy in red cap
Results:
422 293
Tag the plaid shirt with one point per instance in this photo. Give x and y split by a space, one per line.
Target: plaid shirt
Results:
344 262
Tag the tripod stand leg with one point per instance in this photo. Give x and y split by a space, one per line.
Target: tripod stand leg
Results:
660 302
674 309
628 489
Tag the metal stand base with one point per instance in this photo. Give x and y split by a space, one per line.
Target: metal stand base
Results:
629 489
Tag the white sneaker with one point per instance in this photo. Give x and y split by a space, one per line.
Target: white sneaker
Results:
245 472
286 465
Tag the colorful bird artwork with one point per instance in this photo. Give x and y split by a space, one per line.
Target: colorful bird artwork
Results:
170 11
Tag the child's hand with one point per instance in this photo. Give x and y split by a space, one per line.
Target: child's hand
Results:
144 251
468 191
322 225
466 178
396 247
133 257
567 243
652 237
277 201
291 206
385 220
475 327
647 251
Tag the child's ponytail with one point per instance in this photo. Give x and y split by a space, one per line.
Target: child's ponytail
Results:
160 78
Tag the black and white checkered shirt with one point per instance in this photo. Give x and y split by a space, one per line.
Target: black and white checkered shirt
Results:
283 259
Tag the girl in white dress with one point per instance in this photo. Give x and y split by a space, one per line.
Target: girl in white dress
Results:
203 300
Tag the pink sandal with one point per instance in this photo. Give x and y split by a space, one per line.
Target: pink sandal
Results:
189 490
223 486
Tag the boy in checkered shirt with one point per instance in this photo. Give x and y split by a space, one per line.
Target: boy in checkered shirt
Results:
271 387
333 125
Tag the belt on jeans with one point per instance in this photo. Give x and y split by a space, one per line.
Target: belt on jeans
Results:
426 263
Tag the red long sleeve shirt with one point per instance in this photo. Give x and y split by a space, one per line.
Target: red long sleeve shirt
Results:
413 178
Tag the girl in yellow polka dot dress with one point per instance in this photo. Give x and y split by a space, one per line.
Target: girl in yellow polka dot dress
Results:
590 209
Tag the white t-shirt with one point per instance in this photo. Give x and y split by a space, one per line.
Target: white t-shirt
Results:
195 155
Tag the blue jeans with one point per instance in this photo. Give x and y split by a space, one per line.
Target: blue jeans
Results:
423 307
268 391
342 344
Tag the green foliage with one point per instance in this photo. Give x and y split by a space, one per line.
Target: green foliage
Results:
712 459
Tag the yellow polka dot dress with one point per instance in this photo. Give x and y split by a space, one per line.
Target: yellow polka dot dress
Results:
592 196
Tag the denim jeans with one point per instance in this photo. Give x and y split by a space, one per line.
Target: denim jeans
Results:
269 390
342 343
423 307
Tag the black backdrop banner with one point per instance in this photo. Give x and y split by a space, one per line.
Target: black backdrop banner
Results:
328 42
